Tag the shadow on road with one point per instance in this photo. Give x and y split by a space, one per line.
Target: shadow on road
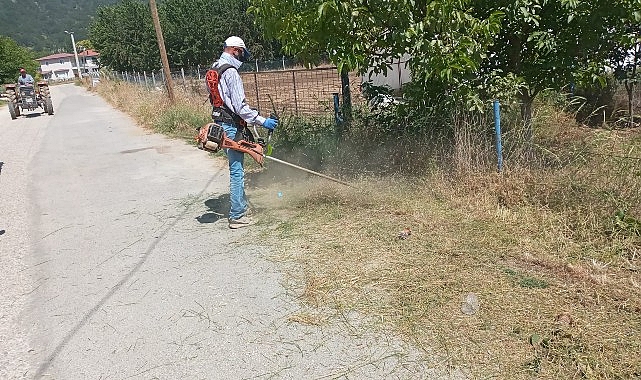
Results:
217 209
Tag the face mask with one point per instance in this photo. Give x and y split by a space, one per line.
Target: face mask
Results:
241 57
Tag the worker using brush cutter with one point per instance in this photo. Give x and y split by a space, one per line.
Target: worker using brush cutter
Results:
230 110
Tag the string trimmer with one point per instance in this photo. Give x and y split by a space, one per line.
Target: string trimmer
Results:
212 137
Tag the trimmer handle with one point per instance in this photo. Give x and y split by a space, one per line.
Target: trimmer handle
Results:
271 131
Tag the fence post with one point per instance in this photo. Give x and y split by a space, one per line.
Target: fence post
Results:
347 97
283 62
497 131
295 91
126 75
256 65
256 87
182 72
146 84
153 79
198 68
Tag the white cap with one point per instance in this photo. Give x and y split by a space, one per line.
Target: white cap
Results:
234 41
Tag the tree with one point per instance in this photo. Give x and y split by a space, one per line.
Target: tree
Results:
12 58
83 45
195 30
544 43
625 57
464 46
441 37
125 37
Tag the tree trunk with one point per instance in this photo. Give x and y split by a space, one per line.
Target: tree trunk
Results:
629 87
347 98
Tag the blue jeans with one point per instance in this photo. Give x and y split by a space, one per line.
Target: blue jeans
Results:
237 196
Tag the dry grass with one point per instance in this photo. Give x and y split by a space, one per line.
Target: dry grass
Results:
558 280
152 110
547 308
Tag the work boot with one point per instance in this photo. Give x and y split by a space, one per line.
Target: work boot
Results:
241 222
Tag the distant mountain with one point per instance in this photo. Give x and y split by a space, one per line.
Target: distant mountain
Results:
41 25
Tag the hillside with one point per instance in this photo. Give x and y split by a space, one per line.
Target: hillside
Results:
40 25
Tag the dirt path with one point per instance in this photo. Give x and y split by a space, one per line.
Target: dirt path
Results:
118 263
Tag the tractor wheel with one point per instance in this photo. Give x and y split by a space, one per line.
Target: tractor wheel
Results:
12 111
13 99
48 106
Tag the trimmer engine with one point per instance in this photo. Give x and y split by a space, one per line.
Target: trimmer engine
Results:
212 137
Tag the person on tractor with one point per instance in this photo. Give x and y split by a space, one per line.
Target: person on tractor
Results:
233 115
25 79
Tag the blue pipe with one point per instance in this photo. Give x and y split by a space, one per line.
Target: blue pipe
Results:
497 130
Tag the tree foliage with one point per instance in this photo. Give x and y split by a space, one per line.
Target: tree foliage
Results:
362 34
83 45
125 37
12 58
467 50
546 43
625 55
193 30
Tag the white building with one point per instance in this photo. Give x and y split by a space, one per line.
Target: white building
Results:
62 66
397 75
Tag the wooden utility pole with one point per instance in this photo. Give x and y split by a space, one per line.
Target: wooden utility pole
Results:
163 52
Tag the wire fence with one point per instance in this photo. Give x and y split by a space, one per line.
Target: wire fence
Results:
274 85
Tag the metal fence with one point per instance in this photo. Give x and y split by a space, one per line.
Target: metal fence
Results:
294 91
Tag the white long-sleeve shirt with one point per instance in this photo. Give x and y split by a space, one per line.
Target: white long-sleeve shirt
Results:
230 87
27 79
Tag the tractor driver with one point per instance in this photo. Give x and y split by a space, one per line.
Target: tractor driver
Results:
25 79
233 116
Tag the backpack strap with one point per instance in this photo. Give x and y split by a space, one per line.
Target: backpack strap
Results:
220 112
212 78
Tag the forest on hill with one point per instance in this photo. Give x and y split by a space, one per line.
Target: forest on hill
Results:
41 25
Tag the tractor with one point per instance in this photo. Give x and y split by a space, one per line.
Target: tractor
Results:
27 98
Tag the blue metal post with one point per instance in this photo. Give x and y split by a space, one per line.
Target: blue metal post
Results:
497 130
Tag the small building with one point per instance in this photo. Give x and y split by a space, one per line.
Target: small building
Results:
397 75
62 66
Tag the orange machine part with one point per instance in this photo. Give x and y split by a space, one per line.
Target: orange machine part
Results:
253 149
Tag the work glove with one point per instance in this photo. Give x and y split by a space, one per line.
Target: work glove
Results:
270 123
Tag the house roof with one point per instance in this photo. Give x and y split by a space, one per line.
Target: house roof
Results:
55 56
86 53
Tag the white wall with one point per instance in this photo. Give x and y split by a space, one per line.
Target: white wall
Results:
60 68
396 77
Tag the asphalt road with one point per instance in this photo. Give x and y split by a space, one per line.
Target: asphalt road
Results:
117 263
